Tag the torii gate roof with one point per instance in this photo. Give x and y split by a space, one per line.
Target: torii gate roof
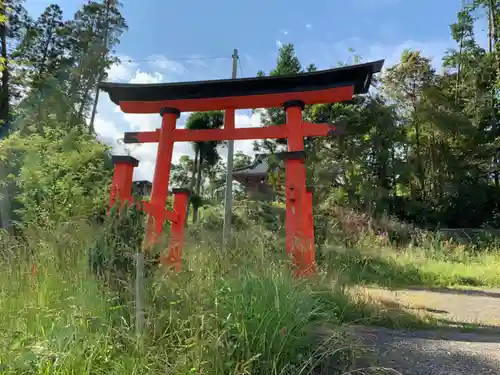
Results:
323 86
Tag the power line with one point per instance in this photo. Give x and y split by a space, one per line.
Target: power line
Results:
241 69
178 59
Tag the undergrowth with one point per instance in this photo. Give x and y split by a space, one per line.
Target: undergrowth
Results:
67 301
233 312
388 253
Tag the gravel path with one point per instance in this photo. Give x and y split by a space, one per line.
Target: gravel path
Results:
425 352
470 306
444 351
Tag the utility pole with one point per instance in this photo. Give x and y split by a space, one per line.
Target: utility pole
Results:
228 201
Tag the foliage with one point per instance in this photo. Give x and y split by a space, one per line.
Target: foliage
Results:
206 155
180 172
235 312
286 63
424 146
121 235
50 71
62 175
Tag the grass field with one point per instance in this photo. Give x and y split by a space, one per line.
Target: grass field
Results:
416 266
228 312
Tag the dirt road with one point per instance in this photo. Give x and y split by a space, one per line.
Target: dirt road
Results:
447 351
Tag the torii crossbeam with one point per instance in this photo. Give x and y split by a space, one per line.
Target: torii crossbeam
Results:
291 92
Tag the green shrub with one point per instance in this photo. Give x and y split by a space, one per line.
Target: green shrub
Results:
60 174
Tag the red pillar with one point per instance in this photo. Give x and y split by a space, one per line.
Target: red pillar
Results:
310 256
176 242
161 176
295 187
121 185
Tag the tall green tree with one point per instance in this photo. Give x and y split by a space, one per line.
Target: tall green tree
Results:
44 52
91 23
206 154
180 173
287 63
404 83
12 31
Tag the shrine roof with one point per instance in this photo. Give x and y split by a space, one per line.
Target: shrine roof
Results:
258 167
143 182
323 86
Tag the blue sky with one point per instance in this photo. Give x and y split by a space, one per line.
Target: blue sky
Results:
164 36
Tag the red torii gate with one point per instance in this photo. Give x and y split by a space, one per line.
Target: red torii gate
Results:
292 92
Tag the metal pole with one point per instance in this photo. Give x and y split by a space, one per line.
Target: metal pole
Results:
139 294
228 201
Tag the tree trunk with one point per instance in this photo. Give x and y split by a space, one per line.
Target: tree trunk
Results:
492 38
198 183
4 94
192 182
420 168
4 121
84 98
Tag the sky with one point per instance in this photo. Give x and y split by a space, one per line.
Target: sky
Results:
174 41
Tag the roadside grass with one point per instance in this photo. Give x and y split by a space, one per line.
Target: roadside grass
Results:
386 252
439 265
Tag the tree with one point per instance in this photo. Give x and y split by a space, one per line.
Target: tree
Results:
92 22
44 53
287 63
50 69
13 24
241 160
404 84
180 172
206 154
12 31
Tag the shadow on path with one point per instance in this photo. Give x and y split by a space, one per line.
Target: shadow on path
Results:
431 352
465 292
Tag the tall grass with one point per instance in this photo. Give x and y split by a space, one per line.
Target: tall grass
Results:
237 312
437 265
386 252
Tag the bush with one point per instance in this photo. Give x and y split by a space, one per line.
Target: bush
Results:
111 256
60 175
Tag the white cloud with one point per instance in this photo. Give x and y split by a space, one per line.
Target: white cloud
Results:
434 50
109 134
247 119
278 43
196 62
284 32
122 71
162 63
143 77
309 26
244 119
